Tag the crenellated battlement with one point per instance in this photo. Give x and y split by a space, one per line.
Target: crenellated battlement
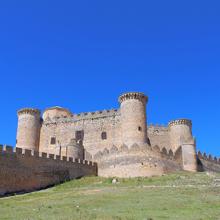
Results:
208 162
96 114
180 122
157 129
135 149
30 111
24 170
209 157
151 125
133 95
83 116
26 153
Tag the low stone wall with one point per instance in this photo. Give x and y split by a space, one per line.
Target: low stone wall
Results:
208 162
25 170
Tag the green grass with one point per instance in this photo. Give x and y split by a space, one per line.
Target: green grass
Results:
176 196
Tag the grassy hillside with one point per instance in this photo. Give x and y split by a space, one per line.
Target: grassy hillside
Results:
176 196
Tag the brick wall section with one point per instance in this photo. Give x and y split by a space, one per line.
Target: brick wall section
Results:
26 170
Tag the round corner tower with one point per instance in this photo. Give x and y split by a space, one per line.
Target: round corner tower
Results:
180 133
181 136
28 130
133 118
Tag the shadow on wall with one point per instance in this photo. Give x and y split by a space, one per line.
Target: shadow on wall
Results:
24 170
208 163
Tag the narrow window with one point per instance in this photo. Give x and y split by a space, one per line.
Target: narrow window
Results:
52 140
79 135
139 128
104 135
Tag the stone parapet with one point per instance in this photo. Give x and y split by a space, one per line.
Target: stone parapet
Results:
133 95
4 149
208 163
96 114
135 149
31 111
83 116
209 157
180 122
162 126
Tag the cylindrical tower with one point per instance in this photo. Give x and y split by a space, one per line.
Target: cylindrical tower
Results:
181 136
75 150
133 118
28 130
180 132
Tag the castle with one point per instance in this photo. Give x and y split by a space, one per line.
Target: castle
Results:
61 146
119 140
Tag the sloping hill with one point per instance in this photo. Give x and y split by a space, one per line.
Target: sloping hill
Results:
176 196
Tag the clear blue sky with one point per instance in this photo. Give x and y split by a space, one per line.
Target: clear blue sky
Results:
83 54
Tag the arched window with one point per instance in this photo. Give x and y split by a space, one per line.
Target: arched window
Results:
104 135
139 128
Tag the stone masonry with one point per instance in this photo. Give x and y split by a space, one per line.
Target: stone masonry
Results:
119 140
23 170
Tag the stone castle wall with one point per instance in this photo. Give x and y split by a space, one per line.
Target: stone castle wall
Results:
23 170
208 162
159 135
92 124
136 161
104 130
144 160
